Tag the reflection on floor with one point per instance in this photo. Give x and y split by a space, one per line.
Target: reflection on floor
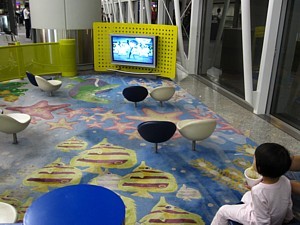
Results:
250 124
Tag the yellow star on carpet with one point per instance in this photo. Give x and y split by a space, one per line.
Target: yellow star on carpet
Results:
134 135
109 115
62 123
122 127
153 115
70 113
95 125
87 118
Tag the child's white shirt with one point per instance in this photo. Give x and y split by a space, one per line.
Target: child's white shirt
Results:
271 203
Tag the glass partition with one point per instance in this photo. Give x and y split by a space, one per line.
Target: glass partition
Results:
286 96
223 60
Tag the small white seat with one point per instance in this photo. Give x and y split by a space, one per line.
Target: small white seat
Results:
48 85
196 130
163 93
8 213
14 123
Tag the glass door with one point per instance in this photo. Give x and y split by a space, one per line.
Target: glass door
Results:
222 53
285 103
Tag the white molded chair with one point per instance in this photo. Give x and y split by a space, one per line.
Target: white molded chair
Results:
14 123
196 130
163 93
48 85
8 213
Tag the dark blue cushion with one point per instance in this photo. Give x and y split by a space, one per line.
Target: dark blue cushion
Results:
156 131
135 93
31 78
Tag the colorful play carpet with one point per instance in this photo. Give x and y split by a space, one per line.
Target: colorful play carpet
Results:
87 133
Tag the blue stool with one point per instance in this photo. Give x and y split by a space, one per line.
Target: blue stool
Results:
81 204
156 131
135 94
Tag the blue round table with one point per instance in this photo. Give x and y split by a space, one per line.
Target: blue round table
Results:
81 204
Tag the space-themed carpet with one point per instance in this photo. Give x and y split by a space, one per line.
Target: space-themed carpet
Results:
87 133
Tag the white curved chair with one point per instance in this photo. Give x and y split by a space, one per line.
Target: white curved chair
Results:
48 85
163 93
14 123
196 130
8 213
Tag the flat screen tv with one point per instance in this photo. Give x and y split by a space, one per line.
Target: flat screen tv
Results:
133 50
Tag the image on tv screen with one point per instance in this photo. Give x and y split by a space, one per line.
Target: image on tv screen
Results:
133 50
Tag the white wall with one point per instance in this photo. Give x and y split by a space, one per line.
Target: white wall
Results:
64 14
47 14
82 13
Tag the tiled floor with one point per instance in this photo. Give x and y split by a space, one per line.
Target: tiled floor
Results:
250 124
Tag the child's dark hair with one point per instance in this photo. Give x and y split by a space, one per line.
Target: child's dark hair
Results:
272 160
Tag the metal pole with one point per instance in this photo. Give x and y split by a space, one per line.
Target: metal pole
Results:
247 52
160 12
121 12
194 40
142 12
267 56
130 9
148 11
180 38
108 11
11 13
113 10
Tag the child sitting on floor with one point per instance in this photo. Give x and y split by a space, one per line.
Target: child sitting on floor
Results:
268 202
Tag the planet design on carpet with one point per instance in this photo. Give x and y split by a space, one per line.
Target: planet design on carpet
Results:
164 213
56 174
107 179
229 176
105 155
145 179
187 194
130 214
23 208
73 143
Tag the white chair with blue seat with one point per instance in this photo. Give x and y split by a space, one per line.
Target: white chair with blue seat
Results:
48 85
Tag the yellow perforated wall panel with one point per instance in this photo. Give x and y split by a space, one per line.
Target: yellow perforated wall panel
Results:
166 47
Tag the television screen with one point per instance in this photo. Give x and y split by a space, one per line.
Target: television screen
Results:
133 50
